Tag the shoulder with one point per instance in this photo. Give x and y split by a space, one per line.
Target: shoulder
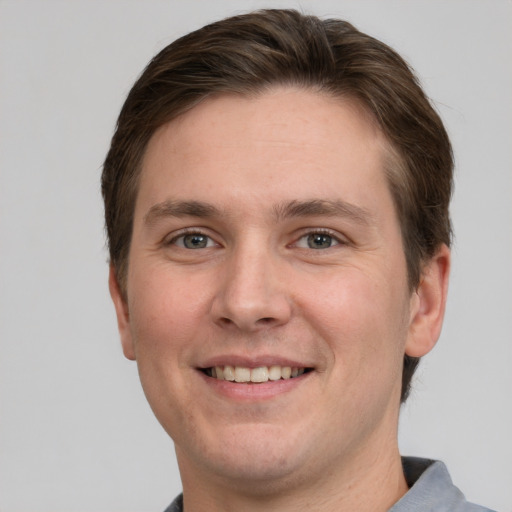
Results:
431 489
176 505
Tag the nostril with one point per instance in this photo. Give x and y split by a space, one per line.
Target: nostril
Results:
265 321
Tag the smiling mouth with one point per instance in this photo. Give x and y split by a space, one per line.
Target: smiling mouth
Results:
242 374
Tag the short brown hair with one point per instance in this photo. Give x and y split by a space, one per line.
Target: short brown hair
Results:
250 53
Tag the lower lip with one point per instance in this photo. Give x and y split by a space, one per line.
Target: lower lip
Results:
254 391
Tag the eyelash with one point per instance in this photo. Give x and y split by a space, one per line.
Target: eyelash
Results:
322 231
316 231
187 231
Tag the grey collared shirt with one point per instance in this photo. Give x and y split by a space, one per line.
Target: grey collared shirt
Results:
430 490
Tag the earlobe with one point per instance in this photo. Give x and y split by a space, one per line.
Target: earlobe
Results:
123 318
428 305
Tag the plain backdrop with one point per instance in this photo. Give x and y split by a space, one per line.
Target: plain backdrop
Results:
76 434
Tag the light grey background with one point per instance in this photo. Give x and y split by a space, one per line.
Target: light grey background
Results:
75 431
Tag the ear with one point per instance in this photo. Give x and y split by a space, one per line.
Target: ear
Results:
123 317
428 304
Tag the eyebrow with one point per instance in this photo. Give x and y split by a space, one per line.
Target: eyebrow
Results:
291 209
170 208
324 208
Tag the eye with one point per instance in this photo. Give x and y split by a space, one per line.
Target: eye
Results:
193 241
317 240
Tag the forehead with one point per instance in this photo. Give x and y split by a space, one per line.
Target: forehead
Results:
236 145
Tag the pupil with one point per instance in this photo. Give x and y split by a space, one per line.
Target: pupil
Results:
319 241
195 241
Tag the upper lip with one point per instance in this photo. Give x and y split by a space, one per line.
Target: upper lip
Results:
253 361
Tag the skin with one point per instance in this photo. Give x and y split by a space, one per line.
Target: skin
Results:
257 293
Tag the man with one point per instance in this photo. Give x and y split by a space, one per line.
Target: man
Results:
276 198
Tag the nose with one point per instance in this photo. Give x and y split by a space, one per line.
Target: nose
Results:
251 295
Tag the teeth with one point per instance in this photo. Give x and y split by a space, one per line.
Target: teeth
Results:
259 374
256 375
242 374
229 373
274 373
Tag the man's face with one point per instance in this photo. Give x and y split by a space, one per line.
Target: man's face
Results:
265 243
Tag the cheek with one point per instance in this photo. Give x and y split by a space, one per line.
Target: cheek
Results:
362 318
165 317
166 313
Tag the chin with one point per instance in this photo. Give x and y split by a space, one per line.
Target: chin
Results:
261 476
257 458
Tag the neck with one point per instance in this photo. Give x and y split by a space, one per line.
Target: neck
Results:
370 483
